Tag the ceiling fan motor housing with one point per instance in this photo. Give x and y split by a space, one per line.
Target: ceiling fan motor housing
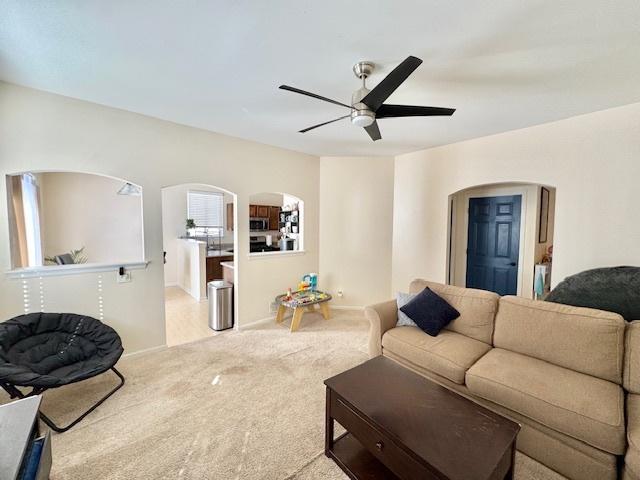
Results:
361 115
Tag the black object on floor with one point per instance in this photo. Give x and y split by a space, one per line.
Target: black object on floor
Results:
50 350
614 289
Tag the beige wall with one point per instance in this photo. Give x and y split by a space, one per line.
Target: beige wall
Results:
356 209
41 131
271 199
593 161
174 217
80 210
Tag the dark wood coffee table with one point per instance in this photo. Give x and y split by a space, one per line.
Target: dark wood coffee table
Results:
403 426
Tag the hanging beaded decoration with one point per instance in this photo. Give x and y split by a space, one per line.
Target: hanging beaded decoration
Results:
25 294
41 294
100 303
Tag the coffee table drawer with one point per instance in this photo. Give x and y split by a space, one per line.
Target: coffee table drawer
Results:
378 443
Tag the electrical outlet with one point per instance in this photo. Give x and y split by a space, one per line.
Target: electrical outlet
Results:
124 278
340 293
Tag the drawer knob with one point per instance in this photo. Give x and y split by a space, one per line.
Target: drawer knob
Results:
379 445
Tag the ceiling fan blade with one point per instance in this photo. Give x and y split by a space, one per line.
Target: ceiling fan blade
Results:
313 95
388 85
387 110
373 131
321 124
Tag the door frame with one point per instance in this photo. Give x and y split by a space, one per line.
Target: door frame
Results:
459 237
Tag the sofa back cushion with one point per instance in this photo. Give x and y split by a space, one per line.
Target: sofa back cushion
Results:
581 339
477 308
631 374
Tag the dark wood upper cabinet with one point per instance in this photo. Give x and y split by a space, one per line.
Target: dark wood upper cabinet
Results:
263 211
274 218
230 216
253 210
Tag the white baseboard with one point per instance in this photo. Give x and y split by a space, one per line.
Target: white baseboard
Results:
345 307
258 322
145 351
172 284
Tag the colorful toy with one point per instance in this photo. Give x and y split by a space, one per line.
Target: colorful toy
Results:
312 280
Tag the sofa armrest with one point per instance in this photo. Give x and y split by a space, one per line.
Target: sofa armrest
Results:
382 317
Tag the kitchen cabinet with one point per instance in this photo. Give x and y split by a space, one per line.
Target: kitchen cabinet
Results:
214 269
274 218
230 216
263 211
257 211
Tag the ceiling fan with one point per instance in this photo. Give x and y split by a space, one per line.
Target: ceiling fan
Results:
367 105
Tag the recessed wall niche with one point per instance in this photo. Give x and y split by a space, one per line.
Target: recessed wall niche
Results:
62 218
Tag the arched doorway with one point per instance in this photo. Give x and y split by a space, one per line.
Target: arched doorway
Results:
501 238
199 245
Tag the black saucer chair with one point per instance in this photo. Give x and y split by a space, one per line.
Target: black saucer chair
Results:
50 350
615 289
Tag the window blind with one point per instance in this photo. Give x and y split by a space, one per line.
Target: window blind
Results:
205 208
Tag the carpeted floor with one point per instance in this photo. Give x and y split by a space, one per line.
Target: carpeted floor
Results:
242 405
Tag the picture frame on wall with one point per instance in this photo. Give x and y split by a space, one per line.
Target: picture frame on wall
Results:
543 223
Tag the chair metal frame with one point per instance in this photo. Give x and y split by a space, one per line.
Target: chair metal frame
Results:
14 392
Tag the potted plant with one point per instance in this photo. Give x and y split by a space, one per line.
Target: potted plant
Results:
191 227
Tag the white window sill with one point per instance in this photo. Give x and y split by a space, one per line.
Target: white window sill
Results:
285 253
59 270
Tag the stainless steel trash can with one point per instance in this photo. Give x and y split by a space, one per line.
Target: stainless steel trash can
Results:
220 295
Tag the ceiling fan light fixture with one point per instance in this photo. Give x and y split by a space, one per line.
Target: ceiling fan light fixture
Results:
362 118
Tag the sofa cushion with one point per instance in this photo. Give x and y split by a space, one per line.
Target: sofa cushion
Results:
477 308
632 457
430 312
583 407
581 339
402 299
631 374
449 354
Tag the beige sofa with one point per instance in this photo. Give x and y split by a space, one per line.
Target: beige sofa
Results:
555 369
632 385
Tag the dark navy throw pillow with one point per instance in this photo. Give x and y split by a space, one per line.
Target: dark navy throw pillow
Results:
430 311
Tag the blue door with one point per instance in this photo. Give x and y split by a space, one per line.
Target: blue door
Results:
493 243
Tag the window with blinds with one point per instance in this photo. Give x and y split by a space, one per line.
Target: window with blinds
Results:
207 211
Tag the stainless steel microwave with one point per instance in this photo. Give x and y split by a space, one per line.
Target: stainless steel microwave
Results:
258 224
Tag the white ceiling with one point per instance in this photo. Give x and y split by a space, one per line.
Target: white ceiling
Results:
503 64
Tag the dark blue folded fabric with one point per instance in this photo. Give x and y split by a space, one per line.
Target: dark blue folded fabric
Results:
33 461
430 311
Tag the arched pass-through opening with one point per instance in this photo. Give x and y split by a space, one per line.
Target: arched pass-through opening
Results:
500 238
199 244
276 224
74 220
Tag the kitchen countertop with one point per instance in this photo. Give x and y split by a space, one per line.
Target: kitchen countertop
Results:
227 264
219 253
